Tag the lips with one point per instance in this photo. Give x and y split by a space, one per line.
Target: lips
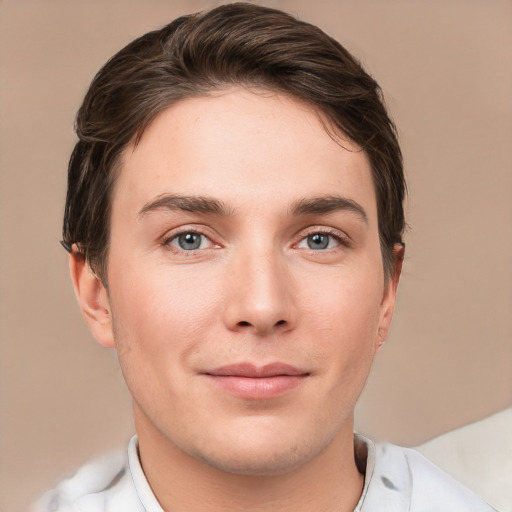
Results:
253 382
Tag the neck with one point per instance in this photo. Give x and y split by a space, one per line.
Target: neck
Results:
329 482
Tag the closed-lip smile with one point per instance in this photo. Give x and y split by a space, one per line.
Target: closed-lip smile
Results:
253 382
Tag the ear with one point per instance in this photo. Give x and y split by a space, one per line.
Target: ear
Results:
387 305
93 299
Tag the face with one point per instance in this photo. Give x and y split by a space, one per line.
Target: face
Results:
246 290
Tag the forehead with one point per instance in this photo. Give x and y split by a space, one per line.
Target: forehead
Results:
242 145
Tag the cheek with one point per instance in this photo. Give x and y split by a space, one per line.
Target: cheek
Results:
347 302
160 319
163 307
344 325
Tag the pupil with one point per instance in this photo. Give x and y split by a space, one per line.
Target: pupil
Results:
189 241
318 241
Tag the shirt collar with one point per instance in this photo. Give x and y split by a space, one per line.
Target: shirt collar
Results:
140 482
364 454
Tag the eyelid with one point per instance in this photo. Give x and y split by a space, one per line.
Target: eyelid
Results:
338 234
173 234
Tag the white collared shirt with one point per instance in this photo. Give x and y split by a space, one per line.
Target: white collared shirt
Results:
480 456
396 480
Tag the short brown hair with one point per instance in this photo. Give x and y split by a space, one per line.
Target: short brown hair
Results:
235 44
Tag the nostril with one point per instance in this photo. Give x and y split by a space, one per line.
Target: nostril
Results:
244 323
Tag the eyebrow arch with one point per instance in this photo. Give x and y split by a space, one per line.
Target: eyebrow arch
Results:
327 204
192 204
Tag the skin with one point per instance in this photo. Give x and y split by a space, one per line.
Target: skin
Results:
254 291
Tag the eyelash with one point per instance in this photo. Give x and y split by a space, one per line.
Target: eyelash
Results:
341 239
174 236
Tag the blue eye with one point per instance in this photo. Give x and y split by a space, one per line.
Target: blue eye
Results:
319 242
189 241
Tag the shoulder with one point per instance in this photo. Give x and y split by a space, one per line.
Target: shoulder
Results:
402 479
103 485
480 456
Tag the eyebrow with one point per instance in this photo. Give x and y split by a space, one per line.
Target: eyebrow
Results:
192 204
209 205
328 204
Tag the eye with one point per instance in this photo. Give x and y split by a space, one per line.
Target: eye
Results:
319 241
189 241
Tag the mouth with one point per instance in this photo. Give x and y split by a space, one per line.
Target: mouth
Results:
253 382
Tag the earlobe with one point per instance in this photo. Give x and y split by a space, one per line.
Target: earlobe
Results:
93 299
387 306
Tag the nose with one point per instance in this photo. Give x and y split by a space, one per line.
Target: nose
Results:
261 295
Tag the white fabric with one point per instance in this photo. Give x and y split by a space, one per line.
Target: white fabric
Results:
397 480
480 456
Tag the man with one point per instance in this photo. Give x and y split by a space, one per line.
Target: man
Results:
234 219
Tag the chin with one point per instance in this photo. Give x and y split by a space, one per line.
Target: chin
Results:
260 464
263 457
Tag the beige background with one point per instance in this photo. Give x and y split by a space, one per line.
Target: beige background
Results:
445 67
